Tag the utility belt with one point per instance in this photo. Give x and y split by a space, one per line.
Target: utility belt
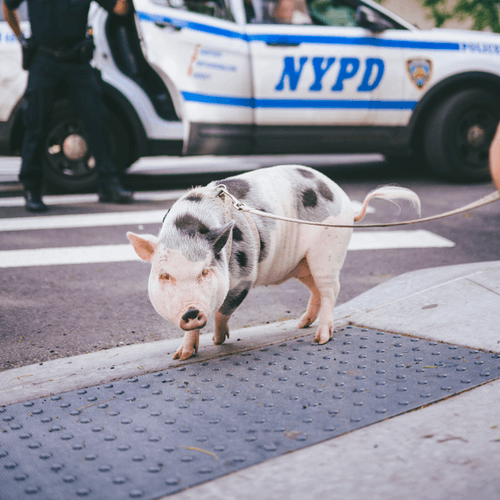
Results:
82 52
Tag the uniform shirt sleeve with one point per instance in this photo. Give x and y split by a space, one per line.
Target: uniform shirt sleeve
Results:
109 5
14 4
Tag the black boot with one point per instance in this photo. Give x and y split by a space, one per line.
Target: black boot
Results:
110 190
34 201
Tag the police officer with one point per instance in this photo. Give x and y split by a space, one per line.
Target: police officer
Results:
59 50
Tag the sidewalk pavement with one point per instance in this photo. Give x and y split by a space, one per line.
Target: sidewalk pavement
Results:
446 450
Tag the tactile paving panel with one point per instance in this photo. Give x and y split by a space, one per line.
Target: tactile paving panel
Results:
159 433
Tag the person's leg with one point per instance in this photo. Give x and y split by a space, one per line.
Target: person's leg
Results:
86 96
37 105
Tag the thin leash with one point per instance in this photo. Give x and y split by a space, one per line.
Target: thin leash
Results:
240 206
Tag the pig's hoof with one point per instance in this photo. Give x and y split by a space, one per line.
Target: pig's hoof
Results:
220 338
184 353
305 321
323 335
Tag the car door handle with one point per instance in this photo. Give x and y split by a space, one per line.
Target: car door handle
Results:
283 43
164 24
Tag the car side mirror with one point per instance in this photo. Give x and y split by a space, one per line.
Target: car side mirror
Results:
371 20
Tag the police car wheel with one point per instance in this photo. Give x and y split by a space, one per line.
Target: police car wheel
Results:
68 162
459 132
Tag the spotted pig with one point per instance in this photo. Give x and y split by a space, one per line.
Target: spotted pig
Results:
208 255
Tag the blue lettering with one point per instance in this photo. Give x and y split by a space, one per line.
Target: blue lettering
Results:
290 72
371 63
319 71
348 68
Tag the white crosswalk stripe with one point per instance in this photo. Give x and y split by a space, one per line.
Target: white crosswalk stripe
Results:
362 240
82 220
72 199
94 220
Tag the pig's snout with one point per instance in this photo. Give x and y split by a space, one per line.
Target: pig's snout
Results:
193 319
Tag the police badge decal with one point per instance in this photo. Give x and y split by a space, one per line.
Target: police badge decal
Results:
419 71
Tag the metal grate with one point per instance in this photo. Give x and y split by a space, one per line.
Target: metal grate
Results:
159 433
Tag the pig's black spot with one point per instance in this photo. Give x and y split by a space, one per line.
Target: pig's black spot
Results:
324 191
237 234
235 297
305 173
263 253
309 198
191 225
194 197
242 258
237 187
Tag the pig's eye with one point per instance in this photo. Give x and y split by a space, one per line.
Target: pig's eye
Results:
165 277
205 272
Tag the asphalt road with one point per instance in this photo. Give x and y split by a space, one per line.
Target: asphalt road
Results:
54 311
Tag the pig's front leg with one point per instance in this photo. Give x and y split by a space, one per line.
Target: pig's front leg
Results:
189 345
221 332
233 299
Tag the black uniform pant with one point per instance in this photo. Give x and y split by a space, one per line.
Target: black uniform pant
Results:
85 95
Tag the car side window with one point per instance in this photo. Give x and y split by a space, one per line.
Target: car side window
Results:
342 13
277 12
332 13
219 9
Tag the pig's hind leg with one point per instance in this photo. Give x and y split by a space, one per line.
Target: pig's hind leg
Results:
303 274
320 273
324 291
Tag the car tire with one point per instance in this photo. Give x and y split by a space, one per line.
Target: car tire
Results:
72 168
458 134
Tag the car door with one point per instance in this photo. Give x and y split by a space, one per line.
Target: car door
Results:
204 54
12 77
317 73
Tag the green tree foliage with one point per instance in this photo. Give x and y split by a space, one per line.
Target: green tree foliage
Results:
484 13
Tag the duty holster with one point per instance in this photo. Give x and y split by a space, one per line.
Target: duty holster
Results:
86 49
29 50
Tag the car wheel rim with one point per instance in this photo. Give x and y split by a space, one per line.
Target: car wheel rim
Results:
474 134
67 151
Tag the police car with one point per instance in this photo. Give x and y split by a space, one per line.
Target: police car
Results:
237 77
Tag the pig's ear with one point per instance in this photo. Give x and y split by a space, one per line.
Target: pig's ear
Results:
218 237
144 245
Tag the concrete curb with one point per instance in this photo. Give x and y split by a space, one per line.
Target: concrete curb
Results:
455 304
68 374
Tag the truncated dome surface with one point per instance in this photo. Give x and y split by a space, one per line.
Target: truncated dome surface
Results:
159 433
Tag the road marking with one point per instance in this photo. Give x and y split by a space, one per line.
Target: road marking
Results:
67 255
361 240
385 240
97 220
71 199
83 220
